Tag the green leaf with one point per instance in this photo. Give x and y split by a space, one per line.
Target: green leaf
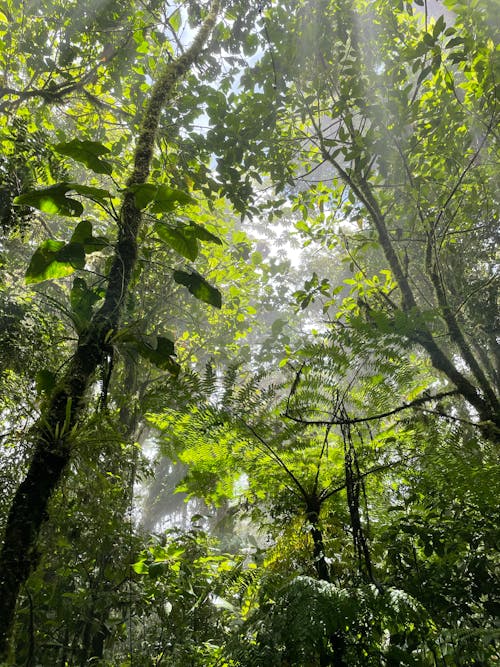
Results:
143 194
175 20
45 381
202 233
83 231
140 567
54 259
439 26
159 353
456 41
155 570
428 39
88 153
199 287
426 70
52 200
95 243
183 237
82 300
164 199
83 235
98 194
72 254
167 199
178 238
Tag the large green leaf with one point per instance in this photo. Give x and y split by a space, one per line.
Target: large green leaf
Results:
140 567
55 259
202 233
143 194
184 237
54 199
88 153
178 237
159 350
73 254
199 287
163 198
83 235
98 194
166 199
82 300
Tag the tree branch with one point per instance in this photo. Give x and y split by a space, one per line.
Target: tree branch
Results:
361 420
277 458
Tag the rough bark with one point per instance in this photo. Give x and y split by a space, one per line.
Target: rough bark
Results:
51 436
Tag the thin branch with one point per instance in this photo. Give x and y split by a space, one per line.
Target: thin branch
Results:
276 458
445 415
361 420
325 494
464 173
320 459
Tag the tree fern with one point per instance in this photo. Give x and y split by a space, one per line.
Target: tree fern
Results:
310 622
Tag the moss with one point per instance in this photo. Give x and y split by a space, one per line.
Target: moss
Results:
51 436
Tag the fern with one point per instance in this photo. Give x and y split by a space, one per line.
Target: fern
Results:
305 621
238 423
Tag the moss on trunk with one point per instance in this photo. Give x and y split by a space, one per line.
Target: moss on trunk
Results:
51 436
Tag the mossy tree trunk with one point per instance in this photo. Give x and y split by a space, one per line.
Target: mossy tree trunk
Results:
52 435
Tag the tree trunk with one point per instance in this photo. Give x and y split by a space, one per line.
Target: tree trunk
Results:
485 401
319 548
336 639
51 436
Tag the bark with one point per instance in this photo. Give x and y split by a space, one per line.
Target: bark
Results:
458 338
320 563
51 436
336 639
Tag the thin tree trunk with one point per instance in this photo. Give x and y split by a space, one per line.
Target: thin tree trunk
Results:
318 546
51 436
486 404
336 639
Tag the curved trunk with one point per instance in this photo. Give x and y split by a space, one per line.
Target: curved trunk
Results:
51 436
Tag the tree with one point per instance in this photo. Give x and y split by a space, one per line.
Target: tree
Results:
383 122
52 435
360 533
305 459
328 420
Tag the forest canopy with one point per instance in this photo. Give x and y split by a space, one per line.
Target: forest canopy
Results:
249 333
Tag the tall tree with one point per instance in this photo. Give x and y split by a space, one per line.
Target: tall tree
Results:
380 122
51 436
355 485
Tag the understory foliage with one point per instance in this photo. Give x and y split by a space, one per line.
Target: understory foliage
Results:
249 341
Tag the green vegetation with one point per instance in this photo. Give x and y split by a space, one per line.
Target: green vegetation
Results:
249 361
